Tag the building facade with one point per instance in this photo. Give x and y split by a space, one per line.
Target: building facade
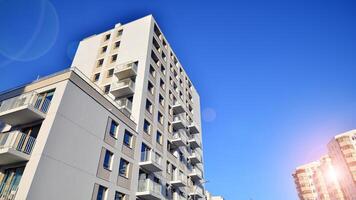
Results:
342 150
209 196
122 123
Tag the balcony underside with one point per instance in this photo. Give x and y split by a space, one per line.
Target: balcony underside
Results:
21 115
125 73
178 142
150 166
194 143
148 195
178 183
178 108
178 124
194 159
195 177
10 156
122 91
193 129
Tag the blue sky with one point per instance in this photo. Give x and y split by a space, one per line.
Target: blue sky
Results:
276 78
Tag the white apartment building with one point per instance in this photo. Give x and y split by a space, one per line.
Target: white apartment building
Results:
122 123
209 196
342 150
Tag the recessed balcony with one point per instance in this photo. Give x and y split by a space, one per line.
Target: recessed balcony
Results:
179 138
122 88
179 179
15 147
179 121
196 174
196 192
195 157
177 107
193 127
23 109
194 141
149 190
126 70
151 161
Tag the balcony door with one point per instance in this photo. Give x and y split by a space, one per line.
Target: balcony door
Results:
26 140
43 101
9 182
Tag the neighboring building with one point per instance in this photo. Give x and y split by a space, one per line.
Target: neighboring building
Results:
342 150
208 196
303 179
131 130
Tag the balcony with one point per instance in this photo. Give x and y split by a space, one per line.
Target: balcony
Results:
23 109
15 146
177 107
178 180
179 138
149 190
151 161
125 106
196 192
122 88
195 157
177 196
193 127
126 71
179 121
196 174
194 141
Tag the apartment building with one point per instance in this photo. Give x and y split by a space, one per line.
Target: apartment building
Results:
342 150
122 123
303 179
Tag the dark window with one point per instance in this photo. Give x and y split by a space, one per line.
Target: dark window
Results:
113 128
110 73
146 127
107 37
101 193
96 77
128 138
107 89
107 159
124 168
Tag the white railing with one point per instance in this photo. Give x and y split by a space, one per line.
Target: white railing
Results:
9 195
178 176
147 185
180 134
197 171
151 156
131 65
17 140
124 102
27 99
123 83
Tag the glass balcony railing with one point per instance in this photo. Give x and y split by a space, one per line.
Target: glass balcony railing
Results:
149 186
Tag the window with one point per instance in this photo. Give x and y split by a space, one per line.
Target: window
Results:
101 193
110 73
161 83
163 70
117 44
107 89
128 138
113 128
124 168
146 127
114 58
120 196
150 87
149 106
119 32
161 100
96 77
107 37
160 118
107 160
152 71
164 56
159 138
100 62
103 49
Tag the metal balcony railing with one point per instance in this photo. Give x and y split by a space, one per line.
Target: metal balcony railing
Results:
150 156
17 140
28 99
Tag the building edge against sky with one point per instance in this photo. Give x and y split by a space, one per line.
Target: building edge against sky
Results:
333 176
123 121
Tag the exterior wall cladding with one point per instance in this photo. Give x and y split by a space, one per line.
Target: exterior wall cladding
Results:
122 123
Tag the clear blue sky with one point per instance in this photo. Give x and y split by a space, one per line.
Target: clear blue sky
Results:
276 78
